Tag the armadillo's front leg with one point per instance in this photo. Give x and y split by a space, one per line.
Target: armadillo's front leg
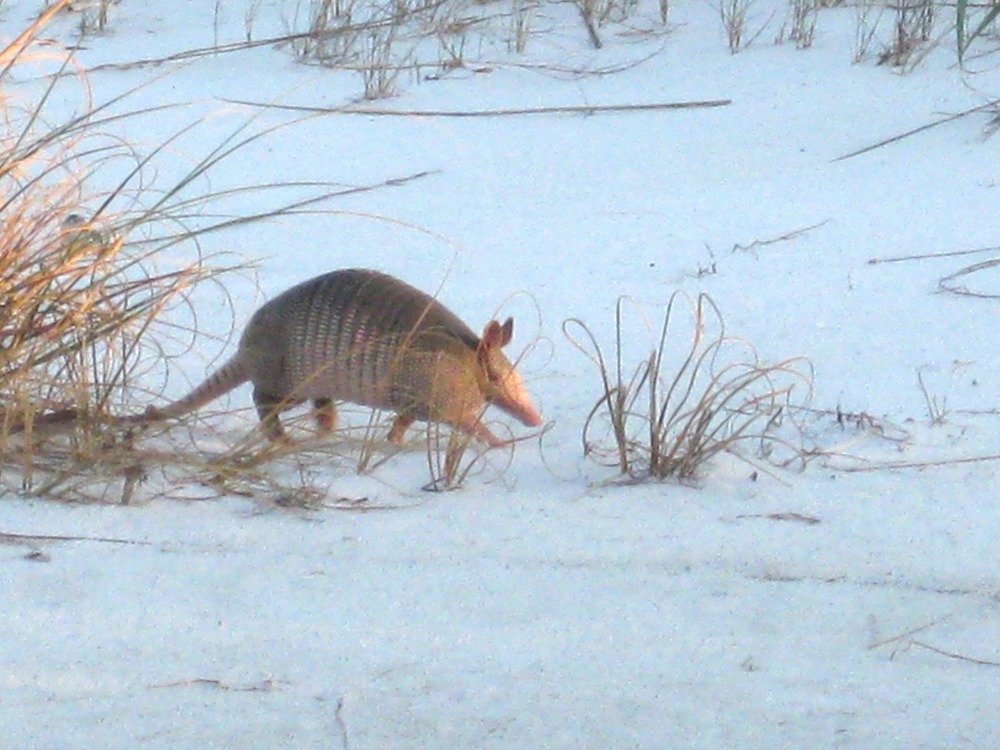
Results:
481 432
325 414
475 427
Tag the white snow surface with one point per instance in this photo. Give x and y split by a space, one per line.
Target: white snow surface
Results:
547 605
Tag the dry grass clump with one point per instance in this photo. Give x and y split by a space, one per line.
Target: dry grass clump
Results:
451 456
689 399
97 262
81 287
912 28
387 40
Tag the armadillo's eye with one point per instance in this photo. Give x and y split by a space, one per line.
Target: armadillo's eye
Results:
495 374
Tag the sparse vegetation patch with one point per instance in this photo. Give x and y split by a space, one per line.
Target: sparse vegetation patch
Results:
698 392
98 262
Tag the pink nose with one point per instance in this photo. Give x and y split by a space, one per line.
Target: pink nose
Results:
528 416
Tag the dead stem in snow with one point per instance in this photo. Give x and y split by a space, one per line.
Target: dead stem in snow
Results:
687 402
917 130
586 109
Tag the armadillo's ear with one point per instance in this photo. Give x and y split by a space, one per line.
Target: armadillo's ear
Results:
498 335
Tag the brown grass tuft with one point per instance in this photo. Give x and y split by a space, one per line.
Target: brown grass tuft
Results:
91 301
673 412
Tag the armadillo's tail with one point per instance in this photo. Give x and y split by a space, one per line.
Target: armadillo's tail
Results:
226 378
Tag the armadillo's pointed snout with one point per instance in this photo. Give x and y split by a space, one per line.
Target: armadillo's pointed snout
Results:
529 416
521 409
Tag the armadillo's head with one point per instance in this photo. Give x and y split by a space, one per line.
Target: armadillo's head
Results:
502 384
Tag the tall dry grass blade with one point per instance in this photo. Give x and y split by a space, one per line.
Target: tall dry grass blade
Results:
10 54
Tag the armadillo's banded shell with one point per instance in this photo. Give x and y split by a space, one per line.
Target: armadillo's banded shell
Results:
351 334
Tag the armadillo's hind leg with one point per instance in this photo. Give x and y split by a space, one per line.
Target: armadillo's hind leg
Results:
325 414
269 407
399 427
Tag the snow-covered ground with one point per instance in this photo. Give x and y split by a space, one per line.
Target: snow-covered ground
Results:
549 607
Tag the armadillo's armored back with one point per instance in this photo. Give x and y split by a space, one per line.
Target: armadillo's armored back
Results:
342 335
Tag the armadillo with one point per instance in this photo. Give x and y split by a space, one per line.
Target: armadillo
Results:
368 338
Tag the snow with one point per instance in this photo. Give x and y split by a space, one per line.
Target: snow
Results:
545 605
